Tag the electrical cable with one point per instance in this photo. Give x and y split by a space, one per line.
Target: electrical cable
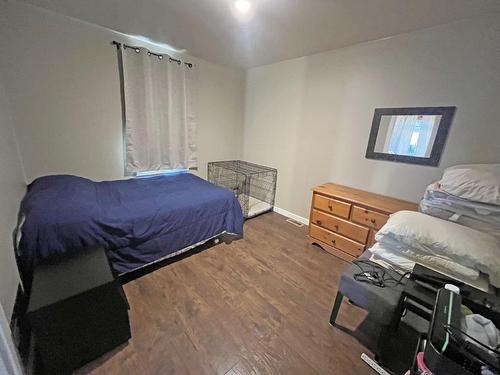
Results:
377 275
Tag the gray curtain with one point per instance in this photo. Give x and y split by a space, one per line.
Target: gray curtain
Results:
160 128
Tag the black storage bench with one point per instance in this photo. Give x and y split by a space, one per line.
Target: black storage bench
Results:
381 303
77 312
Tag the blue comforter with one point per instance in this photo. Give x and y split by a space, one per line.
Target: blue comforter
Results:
137 220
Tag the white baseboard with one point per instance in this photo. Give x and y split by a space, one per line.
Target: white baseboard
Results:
291 215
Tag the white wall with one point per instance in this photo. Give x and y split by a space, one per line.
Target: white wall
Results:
62 77
12 188
60 92
310 117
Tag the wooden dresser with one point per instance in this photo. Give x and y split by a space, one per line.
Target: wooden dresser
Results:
344 220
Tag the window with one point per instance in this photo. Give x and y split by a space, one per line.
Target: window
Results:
411 135
165 172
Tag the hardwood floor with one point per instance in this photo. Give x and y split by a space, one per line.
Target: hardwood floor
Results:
258 306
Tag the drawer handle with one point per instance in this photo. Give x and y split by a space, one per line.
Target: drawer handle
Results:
318 222
330 207
334 243
373 221
336 227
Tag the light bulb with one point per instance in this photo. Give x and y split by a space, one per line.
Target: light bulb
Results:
242 6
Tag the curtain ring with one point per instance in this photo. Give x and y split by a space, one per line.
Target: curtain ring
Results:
137 50
160 57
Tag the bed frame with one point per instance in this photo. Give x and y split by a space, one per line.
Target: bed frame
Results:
223 237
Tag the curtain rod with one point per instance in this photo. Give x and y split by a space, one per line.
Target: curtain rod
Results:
159 55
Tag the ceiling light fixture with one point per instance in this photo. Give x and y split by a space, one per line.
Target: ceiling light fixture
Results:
242 6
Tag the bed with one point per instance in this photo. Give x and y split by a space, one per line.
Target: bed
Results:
139 221
443 246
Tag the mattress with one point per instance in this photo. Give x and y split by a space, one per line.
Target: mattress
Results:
138 221
400 263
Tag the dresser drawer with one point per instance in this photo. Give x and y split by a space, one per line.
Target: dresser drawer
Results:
369 218
332 206
334 224
346 245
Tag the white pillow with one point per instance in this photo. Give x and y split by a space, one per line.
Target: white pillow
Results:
475 182
424 233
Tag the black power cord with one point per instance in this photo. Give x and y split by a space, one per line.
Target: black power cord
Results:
373 273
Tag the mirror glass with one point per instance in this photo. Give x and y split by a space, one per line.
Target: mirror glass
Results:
409 135
414 135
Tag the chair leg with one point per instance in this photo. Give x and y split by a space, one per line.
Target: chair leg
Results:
336 308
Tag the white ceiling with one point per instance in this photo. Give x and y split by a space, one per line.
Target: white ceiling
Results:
278 30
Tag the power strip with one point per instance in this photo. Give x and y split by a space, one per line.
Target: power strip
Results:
374 365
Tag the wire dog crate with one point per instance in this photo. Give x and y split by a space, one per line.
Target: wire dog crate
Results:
253 184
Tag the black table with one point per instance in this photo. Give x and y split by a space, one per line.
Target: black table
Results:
77 312
420 298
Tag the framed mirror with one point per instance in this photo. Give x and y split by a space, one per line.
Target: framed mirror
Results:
409 135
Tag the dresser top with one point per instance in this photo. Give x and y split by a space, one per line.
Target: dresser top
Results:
365 199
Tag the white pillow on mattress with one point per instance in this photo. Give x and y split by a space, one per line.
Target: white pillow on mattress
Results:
475 182
423 233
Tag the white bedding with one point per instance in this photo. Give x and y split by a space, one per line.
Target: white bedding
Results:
405 262
436 197
407 258
256 206
415 231
458 217
474 182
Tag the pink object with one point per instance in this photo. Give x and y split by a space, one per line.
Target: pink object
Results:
422 368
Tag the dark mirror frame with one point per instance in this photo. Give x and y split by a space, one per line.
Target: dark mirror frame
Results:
447 114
